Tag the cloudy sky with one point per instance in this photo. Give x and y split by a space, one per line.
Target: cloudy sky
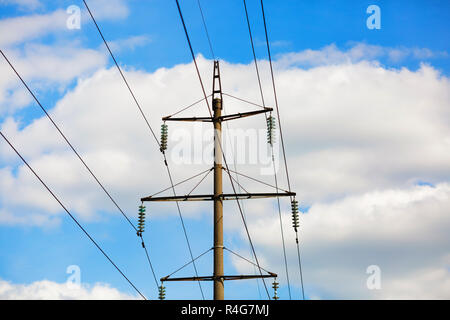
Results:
365 116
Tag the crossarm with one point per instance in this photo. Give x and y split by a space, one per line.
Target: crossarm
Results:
224 196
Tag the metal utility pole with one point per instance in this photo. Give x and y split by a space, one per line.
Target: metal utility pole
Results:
218 196
218 204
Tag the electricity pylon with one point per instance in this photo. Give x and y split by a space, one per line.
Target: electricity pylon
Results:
218 196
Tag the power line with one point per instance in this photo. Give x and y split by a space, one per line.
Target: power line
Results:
243 100
198 257
272 151
181 182
201 180
257 180
245 259
206 30
281 137
68 142
183 226
189 106
239 187
193 57
299 264
281 229
75 151
275 95
149 261
71 216
220 142
151 130
165 160
233 156
121 73
254 54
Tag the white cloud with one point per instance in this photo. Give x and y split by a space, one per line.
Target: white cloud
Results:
58 62
359 137
360 127
54 64
331 54
129 43
49 290
108 9
24 4
350 129
108 110
431 284
404 232
44 67
31 27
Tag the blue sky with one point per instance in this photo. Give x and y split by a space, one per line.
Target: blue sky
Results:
35 252
294 25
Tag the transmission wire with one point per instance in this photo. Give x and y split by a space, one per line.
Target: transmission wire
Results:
272 151
71 216
233 155
206 30
281 136
74 150
209 110
150 128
